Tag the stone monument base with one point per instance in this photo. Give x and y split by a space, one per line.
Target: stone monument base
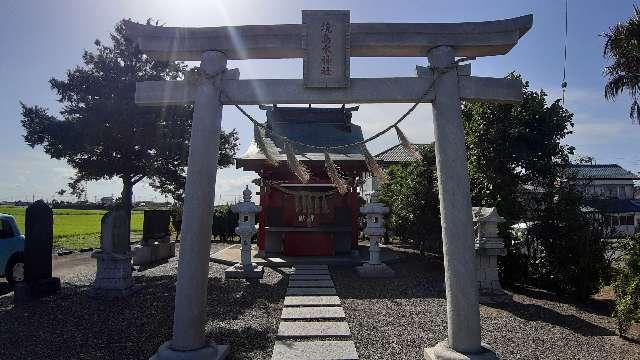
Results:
153 252
209 352
238 271
375 271
113 274
27 291
442 352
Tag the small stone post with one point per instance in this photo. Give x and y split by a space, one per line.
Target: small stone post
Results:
246 228
189 341
374 212
463 309
488 247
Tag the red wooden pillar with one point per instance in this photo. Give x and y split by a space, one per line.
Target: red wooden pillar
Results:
264 203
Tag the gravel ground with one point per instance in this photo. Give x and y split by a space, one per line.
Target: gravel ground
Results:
396 318
389 318
71 325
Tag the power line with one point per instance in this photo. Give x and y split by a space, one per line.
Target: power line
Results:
566 35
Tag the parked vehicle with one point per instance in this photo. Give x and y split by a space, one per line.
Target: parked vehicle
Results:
11 250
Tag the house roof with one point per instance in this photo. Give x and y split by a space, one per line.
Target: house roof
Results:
612 206
602 172
396 154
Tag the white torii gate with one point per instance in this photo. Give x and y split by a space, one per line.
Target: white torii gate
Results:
327 81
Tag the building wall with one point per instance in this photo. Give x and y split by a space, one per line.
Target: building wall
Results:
608 189
624 223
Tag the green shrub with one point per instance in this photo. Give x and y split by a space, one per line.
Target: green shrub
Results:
627 286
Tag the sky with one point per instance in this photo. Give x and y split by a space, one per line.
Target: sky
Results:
43 39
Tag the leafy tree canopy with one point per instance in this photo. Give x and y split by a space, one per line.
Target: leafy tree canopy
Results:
102 134
622 48
514 149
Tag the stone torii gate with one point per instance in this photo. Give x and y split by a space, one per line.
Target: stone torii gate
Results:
326 40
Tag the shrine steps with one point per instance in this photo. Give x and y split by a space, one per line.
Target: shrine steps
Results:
313 322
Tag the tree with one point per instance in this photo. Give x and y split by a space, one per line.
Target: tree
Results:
411 192
515 156
514 148
622 48
103 134
569 244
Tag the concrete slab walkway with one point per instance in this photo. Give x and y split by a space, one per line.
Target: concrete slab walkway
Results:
312 323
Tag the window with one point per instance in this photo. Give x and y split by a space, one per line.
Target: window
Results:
6 231
615 221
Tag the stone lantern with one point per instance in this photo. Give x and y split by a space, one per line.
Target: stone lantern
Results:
488 247
246 228
374 212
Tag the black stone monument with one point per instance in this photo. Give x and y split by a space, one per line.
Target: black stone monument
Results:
155 225
38 249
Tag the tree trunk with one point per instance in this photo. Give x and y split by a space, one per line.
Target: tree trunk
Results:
126 196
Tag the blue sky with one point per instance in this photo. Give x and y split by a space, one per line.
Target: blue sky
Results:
42 39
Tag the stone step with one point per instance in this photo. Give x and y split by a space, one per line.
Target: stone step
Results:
311 301
311 291
312 312
311 272
293 350
307 329
311 283
310 277
310 267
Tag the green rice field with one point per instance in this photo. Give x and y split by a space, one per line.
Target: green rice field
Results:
75 229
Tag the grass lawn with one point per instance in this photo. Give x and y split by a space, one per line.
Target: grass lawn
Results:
74 229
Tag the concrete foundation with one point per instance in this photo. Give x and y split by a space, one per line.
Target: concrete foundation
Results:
208 352
27 291
239 271
442 351
375 271
153 252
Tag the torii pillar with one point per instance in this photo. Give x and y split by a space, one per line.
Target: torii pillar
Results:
190 314
463 309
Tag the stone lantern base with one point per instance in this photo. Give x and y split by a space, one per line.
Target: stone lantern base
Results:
209 352
240 271
442 352
375 271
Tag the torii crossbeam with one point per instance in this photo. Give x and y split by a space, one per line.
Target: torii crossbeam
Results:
326 80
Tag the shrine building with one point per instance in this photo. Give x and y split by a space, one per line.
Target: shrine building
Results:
316 218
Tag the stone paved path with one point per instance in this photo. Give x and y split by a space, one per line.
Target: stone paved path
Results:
312 324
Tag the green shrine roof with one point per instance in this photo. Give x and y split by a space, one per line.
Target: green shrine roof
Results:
308 125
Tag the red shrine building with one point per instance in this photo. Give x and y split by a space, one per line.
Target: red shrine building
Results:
312 219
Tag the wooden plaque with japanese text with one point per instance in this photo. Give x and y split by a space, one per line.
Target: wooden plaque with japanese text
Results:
326 48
